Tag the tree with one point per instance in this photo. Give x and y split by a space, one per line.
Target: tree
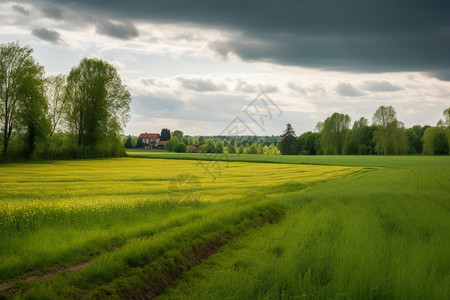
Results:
231 147
165 134
139 143
415 135
179 134
219 147
334 133
287 143
172 144
306 143
129 143
33 109
446 114
383 116
181 148
98 103
208 147
55 87
435 141
360 139
392 140
446 123
390 136
20 92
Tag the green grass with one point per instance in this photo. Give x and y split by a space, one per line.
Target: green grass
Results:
383 234
284 229
330 160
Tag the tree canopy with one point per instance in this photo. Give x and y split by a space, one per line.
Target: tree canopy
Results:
288 140
22 104
334 133
98 103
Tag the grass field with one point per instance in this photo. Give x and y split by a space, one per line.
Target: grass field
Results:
251 226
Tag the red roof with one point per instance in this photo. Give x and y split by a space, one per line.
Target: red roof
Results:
149 135
161 143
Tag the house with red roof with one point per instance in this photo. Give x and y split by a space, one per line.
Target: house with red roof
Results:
150 140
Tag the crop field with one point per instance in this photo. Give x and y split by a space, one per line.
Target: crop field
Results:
201 227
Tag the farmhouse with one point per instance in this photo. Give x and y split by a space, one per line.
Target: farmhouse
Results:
150 140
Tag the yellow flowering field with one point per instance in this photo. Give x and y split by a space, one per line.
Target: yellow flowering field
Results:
52 211
99 185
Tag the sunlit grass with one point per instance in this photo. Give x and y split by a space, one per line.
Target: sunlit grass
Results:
59 211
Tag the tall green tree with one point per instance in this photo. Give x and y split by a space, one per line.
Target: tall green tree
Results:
128 142
306 143
415 135
98 103
390 136
334 133
139 143
435 141
21 94
172 144
288 140
179 134
165 134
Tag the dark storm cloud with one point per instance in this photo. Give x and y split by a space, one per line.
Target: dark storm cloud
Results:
201 85
47 35
347 35
123 30
347 90
21 9
380 86
53 11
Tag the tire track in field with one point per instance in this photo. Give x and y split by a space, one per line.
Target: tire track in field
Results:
30 276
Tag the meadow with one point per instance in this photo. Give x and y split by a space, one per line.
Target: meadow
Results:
208 227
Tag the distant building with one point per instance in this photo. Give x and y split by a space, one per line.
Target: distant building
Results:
160 145
150 140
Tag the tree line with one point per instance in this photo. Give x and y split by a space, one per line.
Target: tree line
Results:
61 116
333 136
179 142
386 135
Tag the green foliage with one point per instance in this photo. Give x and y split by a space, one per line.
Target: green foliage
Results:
218 147
415 135
181 148
179 134
128 143
172 144
98 102
22 104
435 141
306 143
334 133
231 148
392 140
139 143
390 136
208 147
165 134
287 143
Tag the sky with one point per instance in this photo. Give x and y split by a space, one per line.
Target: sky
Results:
249 66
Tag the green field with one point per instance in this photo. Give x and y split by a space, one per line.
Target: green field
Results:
241 226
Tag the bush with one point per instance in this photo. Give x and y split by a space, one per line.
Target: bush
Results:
181 148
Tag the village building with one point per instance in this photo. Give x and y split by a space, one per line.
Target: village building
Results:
151 140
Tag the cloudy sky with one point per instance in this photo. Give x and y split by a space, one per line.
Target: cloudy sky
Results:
198 65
